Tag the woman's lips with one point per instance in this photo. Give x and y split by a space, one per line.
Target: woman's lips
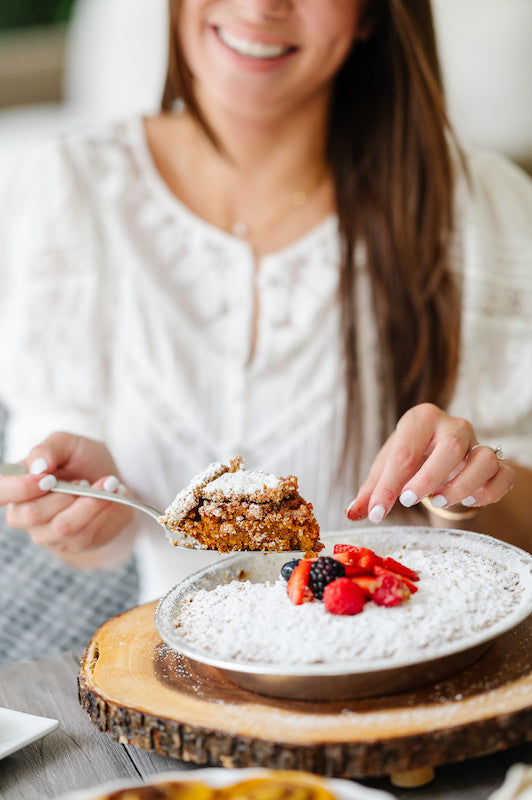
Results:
253 48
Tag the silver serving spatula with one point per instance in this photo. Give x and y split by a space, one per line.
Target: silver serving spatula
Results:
178 538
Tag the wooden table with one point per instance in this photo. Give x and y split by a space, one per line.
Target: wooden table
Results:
77 755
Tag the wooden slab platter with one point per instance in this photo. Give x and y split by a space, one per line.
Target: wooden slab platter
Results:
143 693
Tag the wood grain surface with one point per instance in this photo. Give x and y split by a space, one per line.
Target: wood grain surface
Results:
141 692
78 755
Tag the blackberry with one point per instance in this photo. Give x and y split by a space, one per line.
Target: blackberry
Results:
322 572
288 568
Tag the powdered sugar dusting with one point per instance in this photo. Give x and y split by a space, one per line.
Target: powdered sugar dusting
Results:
461 594
247 484
186 499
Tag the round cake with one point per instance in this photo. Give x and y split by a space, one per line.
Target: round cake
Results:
257 622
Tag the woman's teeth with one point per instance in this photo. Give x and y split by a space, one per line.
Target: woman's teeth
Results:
252 49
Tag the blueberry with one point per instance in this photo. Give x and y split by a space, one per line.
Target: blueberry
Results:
288 568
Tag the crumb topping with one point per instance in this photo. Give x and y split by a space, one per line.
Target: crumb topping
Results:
187 498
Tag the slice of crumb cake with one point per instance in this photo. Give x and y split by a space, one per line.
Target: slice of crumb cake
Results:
227 507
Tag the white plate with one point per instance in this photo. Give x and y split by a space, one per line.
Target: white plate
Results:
18 729
216 778
323 680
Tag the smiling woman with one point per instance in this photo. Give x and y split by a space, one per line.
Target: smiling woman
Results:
356 333
222 45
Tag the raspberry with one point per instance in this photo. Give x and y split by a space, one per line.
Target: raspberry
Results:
390 591
322 572
343 596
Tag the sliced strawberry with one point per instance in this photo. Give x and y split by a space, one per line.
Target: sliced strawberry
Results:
297 586
369 560
368 584
342 556
343 596
361 557
345 558
379 570
357 572
343 548
400 569
391 590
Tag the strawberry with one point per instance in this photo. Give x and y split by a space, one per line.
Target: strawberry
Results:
368 584
342 556
343 596
343 548
297 586
379 570
400 569
361 557
391 590
357 572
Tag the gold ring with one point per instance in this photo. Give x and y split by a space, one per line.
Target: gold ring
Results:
497 450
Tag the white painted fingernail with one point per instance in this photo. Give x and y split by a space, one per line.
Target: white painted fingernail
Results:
122 489
377 514
408 498
438 501
469 501
47 483
111 484
350 506
84 482
39 465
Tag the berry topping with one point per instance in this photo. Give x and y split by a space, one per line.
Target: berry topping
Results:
288 568
297 586
367 583
390 591
361 557
382 571
324 570
348 579
400 569
343 596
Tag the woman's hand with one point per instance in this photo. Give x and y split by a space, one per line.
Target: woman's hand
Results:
69 526
431 454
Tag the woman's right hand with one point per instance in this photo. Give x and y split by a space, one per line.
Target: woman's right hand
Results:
67 525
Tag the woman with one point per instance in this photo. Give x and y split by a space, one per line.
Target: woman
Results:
293 262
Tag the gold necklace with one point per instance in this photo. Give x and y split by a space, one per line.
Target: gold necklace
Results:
298 199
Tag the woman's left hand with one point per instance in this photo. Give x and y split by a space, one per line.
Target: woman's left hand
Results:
431 454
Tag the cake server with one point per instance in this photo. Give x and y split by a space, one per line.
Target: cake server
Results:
65 487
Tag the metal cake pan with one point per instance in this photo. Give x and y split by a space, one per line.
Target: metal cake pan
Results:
321 681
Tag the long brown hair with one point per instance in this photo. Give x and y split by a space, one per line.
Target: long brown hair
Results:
388 150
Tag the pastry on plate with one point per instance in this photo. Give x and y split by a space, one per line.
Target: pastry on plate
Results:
168 790
281 785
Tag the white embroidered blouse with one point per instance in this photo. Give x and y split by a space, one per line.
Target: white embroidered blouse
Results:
125 317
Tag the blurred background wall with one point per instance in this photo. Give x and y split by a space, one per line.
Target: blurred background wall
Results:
32 50
65 62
